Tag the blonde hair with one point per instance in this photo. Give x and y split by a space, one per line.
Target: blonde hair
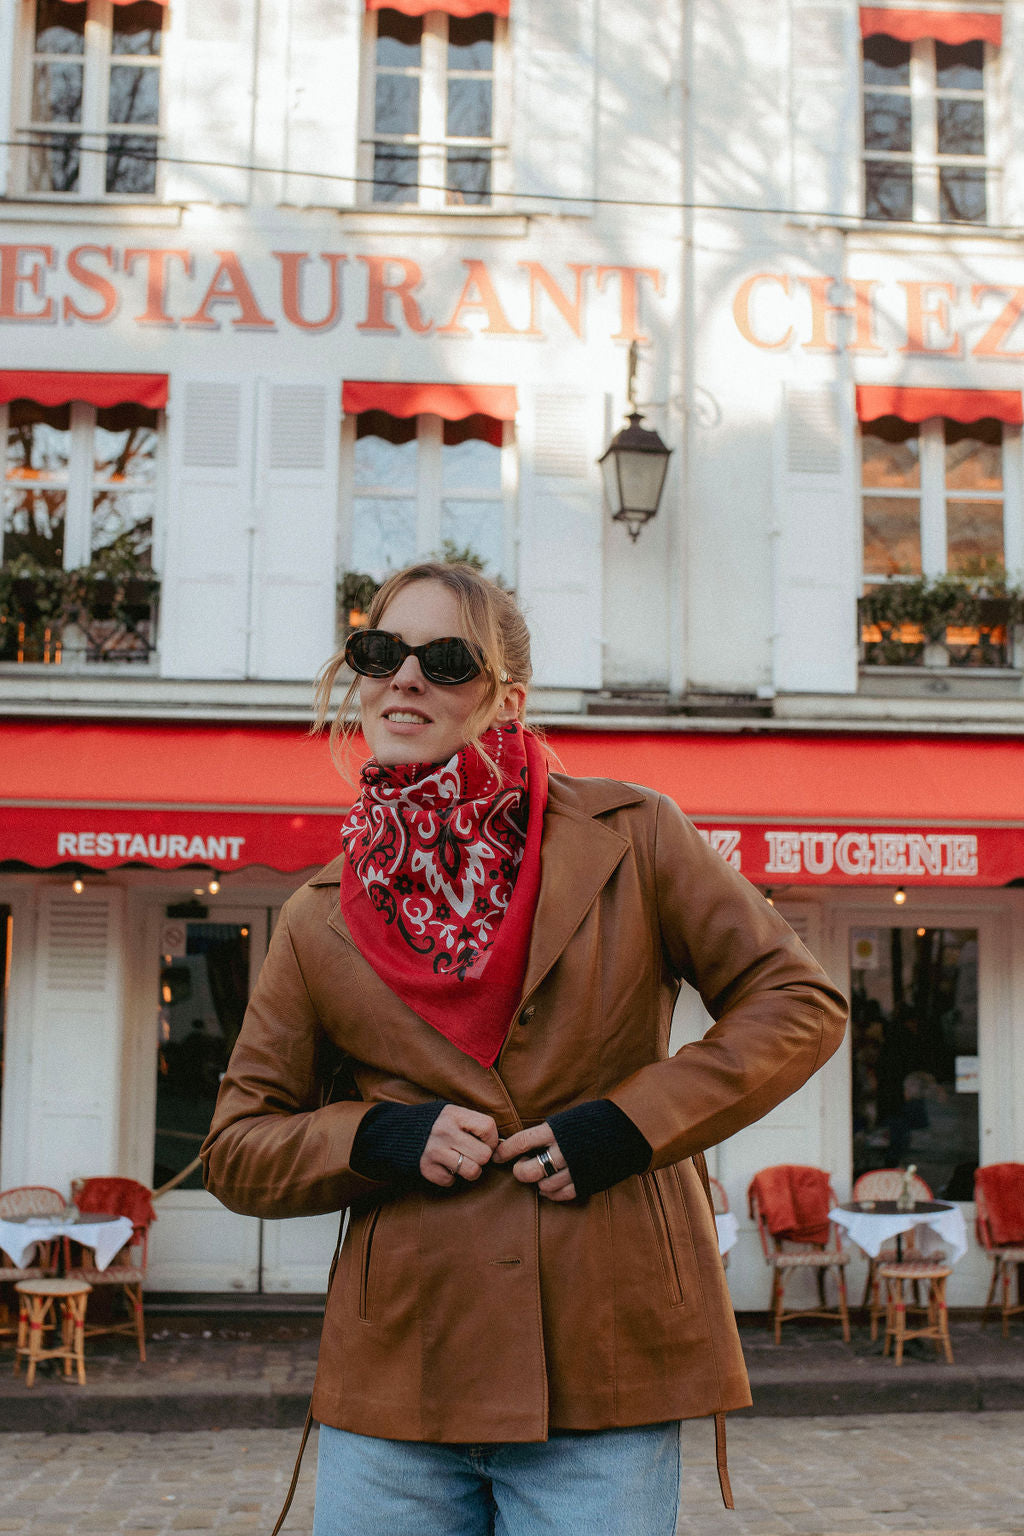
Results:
490 620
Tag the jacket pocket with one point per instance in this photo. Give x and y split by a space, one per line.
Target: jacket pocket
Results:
657 1210
366 1261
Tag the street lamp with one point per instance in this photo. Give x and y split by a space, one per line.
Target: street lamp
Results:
634 465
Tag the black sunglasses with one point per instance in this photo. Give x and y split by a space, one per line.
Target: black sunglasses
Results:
379 653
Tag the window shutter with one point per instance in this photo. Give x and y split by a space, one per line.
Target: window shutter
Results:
816 529
554 53
560 539
296 522
74 1086
825 108
323 101
205 600
209 67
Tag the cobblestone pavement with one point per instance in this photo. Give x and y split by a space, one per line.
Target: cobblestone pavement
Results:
958 1474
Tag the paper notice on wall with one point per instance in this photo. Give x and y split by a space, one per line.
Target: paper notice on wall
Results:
864 950
967 1074
172 939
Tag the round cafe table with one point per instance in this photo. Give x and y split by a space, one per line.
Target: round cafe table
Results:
873 1223
105 1235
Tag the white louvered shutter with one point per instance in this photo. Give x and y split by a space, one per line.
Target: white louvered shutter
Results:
322 127
560 539
825 127
816 526
75 1080
209 73
205 595
554 67
296 521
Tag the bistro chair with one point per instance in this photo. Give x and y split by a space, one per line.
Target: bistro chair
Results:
720 1200
999 1223
28 1200
118 1197
790 1204
934 1323
885 1184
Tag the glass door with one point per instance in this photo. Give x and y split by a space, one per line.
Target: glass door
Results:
915 1069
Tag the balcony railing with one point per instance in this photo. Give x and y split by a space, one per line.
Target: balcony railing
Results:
944 623
85 617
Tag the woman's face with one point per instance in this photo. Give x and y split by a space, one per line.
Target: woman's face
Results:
405 717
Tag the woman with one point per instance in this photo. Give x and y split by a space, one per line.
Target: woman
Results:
529 1297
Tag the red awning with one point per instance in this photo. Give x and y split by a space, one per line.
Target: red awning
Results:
964 405
791 809
449 7
100 389
944 26
452 402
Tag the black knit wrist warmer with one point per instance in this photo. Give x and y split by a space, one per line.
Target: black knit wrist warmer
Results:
390 1140
600 1144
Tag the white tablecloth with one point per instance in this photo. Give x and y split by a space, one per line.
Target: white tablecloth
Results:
870 1230
105 1238
728 1231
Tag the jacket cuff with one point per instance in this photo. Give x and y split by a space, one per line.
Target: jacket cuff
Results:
390 1140
600 1144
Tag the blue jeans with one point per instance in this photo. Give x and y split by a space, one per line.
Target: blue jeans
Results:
613 1482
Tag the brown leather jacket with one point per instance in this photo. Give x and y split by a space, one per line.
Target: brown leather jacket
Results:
485 1313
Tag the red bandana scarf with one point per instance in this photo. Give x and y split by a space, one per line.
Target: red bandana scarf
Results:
441 879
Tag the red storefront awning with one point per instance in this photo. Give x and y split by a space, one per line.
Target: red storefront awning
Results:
449 7
788 809
963 405
99 389
452 402
952 27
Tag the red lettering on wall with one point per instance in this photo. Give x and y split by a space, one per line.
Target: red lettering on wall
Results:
230 285
478 293
571 310
1002 327
157 262
629 298
823 310
14 277
928 309
379 288
741 310
95 282
291 288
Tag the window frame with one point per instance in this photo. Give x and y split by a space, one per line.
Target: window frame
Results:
933 495
433 74
82 480
95 130
429 494
923 158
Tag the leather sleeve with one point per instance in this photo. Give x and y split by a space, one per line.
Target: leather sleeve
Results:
778 1017
272 1150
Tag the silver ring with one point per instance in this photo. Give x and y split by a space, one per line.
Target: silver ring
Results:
458 1165
544 1158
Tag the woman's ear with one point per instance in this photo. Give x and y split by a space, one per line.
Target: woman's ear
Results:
513 702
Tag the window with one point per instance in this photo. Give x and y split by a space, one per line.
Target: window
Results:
914 1031
926 131
421 485
430 84
90 114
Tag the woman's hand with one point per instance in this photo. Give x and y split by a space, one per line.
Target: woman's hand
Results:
530 1170
460 1144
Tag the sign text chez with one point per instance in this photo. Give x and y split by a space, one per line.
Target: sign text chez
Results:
777 312
168 287
848 855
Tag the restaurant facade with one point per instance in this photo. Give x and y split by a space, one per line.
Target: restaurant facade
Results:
290 295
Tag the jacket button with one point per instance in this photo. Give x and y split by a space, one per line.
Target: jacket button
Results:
527 1014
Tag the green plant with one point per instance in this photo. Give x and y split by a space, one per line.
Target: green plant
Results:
983 600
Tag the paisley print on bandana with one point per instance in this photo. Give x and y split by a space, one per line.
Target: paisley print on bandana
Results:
434 858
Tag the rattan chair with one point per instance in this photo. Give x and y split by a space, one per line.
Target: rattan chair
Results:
720 1200
885 1184
785 1253
28 1200
118 1197
1002 1241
